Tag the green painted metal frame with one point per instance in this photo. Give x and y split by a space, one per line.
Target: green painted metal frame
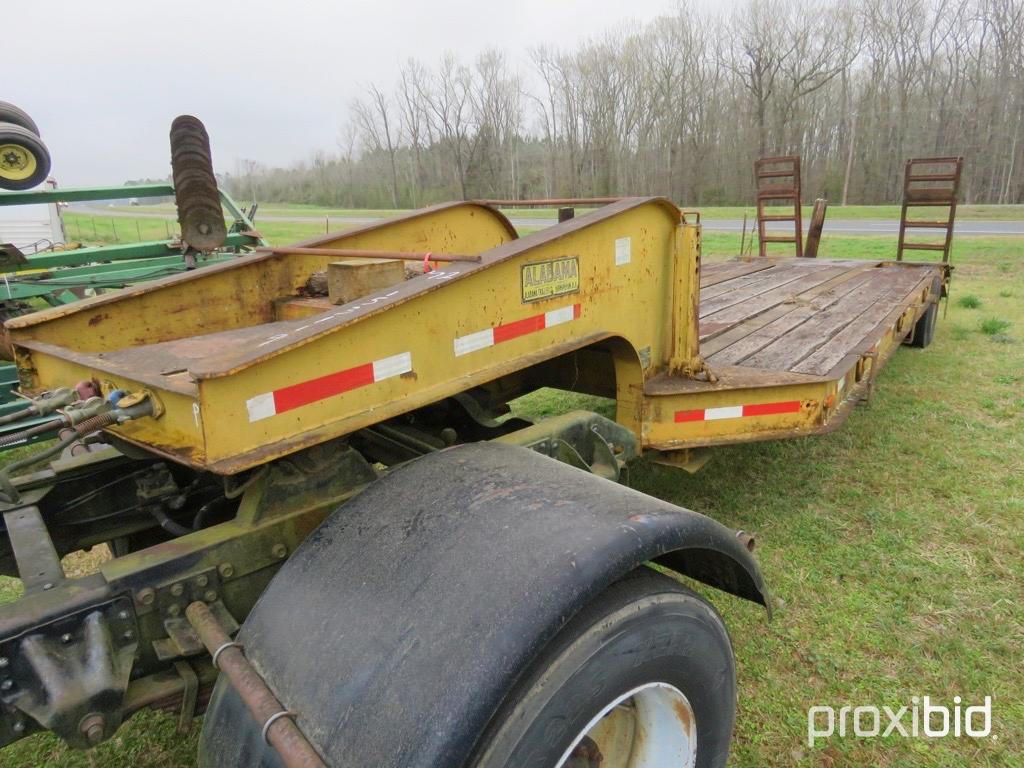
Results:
50 277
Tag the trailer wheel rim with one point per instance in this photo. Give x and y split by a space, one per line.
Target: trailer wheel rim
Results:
16 162
651 725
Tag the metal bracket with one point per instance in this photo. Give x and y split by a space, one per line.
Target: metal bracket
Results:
189 695
38 564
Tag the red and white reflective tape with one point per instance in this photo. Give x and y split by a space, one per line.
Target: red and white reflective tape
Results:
508 331
738 411
285 399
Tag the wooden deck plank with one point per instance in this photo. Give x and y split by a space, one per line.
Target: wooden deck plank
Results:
791 291
738 282
798 313
717 336
718 272
790 349
822 360
742 290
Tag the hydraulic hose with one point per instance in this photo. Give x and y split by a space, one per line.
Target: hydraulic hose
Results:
80 430
169 525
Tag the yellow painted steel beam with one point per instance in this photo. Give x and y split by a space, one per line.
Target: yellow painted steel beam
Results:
258 387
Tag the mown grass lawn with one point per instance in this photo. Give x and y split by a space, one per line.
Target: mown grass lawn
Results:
892 547
977 212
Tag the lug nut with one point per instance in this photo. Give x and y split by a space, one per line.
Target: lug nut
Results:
202 580
92 728
210 596
279 551
178 589
146 596
227 570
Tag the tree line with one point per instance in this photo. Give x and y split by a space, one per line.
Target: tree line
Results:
683 105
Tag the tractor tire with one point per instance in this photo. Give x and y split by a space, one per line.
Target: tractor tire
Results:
924 329
644 676
12 114
24 159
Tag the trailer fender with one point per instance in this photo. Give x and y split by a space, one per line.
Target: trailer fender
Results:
398 626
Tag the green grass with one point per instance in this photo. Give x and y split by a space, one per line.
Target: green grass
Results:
892 548
970 301
994 325
963 212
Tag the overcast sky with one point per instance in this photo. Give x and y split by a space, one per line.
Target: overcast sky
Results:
271 80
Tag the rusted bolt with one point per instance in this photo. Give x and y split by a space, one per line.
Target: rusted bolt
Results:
202 580
178 589
210 596
128 634
18 726
279 551
6 685
146 596
65 638
226 570
92 728
3 662
173 609
122 615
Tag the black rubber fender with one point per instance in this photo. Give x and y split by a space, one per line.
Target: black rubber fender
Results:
400 624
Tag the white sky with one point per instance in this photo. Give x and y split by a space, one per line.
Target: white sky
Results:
271 80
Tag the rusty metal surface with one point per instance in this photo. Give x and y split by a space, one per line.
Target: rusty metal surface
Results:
931 182
727 377
283 733
552 202
169 283
355 253
195 186
778 179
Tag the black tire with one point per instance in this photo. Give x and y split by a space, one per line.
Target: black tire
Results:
24 159
12 114
924 329
643 629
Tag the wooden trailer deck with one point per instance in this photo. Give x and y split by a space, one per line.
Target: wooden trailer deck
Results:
792 345
802 316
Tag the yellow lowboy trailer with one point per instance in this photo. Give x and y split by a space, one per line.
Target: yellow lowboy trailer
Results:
244 369
463 599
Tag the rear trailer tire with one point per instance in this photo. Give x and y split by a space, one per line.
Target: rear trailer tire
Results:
642 677
12 114
924 329
24 159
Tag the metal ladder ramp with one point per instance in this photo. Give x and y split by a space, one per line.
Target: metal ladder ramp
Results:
778 181
930 182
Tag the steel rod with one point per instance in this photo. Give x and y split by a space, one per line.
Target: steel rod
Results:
355 253
551 202
283 734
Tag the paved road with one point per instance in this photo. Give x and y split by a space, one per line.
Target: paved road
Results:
832 226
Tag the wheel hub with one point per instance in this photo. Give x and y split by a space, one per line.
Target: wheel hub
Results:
650 726
16 162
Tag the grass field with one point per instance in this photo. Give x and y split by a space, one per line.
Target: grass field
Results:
977 212
892 547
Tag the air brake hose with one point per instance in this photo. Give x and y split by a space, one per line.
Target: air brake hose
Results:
87 427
